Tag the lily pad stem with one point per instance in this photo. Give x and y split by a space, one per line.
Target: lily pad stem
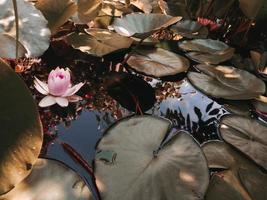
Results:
17 26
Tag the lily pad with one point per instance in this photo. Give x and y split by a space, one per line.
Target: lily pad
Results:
50 180
8 47
227 82
190 29
142 25
214 58
255 183
207 50
221 190
204 46
57 12
158 62
98 42
21 130
239 177
247 135
151 168
260 104
33 32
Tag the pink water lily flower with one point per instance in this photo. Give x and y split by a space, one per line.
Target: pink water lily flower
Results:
58 89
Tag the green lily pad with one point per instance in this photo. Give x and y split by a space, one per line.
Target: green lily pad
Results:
57 12
98 42
255 183
142 25
209 58
190 29
204 46
21 130
227 82
158 62
207 51
248 135
50 180
152 168
239 177
33 32
8 47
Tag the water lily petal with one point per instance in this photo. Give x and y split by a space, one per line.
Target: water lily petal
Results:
63 102
74 98
41 86
72 90
47 101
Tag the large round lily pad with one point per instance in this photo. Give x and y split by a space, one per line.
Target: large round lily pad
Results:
239 178
248 135
158 62
50 180
147 168
214 58
203 45
142 25
207 51
227 82
98 42
20 130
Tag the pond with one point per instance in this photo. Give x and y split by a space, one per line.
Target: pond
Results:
81 125
147 99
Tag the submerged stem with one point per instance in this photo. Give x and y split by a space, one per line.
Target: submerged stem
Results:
17 26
